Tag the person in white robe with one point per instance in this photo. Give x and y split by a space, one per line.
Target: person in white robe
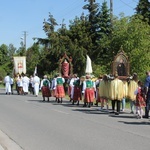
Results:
25 81
7 82
36 82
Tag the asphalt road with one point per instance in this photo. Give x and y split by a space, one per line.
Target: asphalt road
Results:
36 125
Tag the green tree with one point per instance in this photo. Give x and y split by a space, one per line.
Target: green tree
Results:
33 56
143 9
133 35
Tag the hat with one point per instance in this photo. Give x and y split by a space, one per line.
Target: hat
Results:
45 76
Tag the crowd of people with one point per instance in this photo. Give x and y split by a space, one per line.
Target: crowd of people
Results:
90 91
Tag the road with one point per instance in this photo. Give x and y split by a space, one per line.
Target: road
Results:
36 125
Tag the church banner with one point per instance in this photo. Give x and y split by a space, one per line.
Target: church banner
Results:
20 65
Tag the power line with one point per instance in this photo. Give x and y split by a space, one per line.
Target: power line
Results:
126 4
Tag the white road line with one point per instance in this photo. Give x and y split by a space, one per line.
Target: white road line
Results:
60 111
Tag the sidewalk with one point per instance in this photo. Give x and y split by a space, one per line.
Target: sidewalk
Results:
7 144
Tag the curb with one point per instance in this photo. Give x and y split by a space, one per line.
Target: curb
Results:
7 143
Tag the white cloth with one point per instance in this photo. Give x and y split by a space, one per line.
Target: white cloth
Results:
53 84
88 65
25 81
19 82
72 86
7 81
36 82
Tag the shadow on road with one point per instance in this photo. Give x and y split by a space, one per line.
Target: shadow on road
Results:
135 123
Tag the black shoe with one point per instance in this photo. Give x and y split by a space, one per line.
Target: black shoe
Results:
146 117
112 112
131 112
116 113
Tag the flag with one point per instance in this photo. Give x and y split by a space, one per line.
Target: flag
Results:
35 71
88 65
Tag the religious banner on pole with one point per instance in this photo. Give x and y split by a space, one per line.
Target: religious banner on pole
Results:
20 64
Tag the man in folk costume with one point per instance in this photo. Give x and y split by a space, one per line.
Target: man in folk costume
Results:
116 93
25 81
36 82
133 85
45 87
7 82
77 91
89 91
71 84
59 88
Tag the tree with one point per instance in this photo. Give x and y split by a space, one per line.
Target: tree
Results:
33 57
143 9
103 33
133 35
3 54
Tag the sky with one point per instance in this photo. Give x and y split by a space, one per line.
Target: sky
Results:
26 16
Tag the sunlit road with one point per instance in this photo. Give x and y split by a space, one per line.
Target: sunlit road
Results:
35 125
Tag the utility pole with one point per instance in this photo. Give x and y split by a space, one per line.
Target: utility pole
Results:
111 12
25 36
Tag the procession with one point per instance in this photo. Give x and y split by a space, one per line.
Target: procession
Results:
107 92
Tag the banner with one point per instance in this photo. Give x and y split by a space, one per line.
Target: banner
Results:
20 65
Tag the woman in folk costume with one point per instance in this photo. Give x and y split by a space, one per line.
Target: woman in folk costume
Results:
131 89
89 91
59 88
140 100
116 93
45 87
77 92
104 91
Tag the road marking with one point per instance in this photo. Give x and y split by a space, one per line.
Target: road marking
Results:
60 111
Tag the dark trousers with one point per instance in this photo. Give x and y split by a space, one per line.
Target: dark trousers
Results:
147 108
118 105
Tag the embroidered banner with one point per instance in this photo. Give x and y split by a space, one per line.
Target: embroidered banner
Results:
20 65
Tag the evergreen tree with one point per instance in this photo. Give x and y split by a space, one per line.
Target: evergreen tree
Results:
143 9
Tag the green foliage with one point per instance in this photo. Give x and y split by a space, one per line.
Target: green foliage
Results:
92 35
143 9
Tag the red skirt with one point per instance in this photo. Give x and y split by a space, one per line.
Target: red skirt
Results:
140 102
89 95
69 91
77 94
60 92
46 92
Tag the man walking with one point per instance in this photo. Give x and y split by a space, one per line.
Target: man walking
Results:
147 94
7 82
